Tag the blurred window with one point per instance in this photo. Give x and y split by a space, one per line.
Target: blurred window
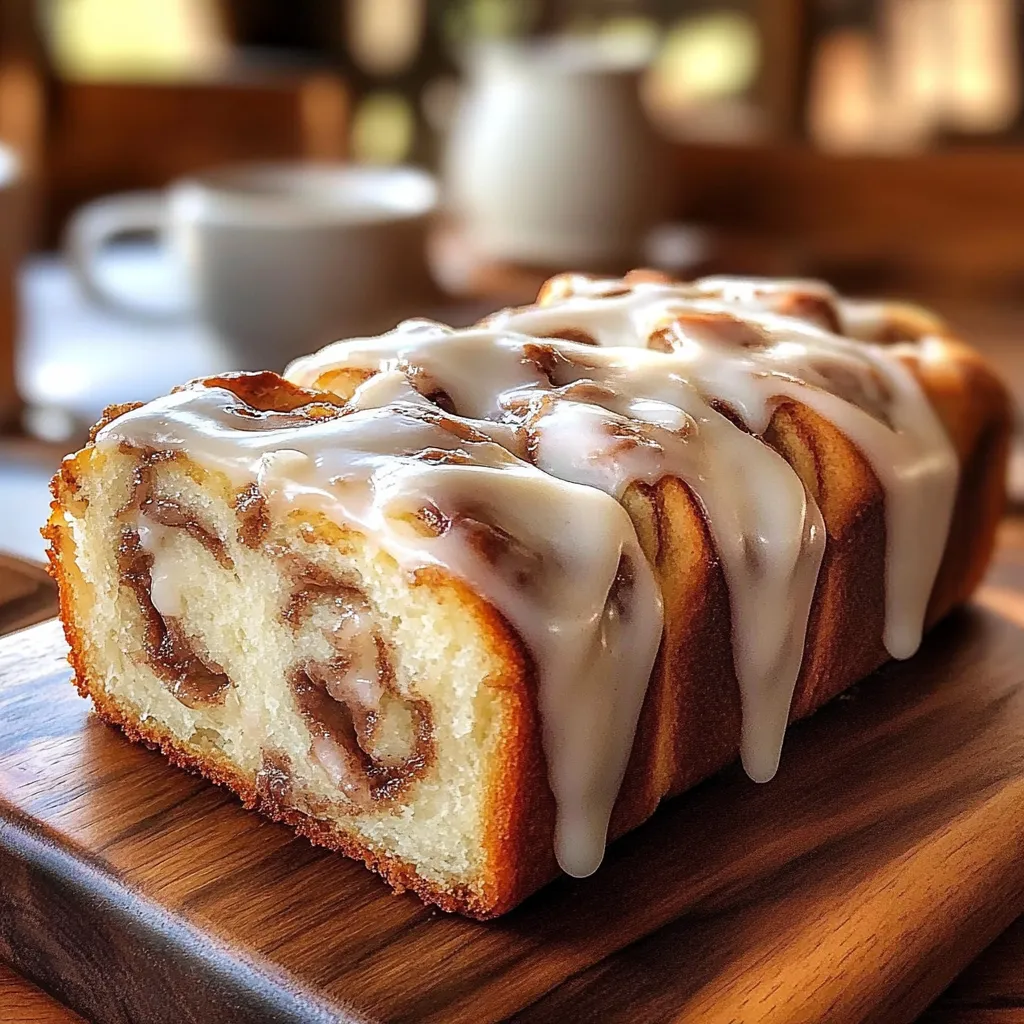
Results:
844 97
383 128
703 74
110 39
904 74
708 57
384 35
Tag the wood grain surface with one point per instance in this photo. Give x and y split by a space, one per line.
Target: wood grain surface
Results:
23 1003
854 887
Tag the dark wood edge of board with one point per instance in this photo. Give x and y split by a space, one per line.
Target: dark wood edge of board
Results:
190 978
31 606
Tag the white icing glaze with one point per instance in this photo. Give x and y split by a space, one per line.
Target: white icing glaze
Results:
552 578
730 347
593 420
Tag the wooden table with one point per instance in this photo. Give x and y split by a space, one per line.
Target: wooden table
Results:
27 595
990 991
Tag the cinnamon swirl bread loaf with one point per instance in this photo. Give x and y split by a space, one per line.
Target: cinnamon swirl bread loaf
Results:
468 603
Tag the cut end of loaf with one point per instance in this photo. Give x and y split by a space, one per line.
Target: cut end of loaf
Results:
296 663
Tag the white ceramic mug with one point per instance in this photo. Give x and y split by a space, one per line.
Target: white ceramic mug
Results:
551 160
279 258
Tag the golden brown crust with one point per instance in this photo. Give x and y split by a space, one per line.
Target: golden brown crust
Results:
690 723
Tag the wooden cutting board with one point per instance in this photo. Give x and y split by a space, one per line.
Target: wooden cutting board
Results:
886 854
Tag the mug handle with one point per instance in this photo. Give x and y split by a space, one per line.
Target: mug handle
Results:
96 225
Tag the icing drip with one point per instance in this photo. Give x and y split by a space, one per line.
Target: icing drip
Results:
500 452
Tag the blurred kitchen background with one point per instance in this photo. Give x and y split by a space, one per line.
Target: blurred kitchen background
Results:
877 143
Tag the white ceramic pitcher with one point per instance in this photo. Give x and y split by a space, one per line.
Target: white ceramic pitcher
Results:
551 159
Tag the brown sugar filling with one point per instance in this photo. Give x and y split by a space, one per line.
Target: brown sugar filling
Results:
311 585
188 672
166 510
348 698
254 524
169 512
180 661
343 734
